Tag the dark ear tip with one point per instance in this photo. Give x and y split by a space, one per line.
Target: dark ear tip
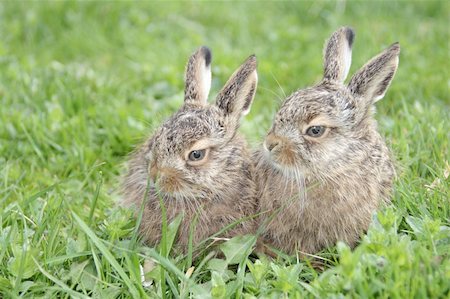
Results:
395 47
206 53
252 60
250 64
350 35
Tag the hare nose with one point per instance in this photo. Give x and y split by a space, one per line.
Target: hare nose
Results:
271 145
272 142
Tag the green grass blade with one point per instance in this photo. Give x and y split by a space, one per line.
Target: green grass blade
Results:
63 286
94 201
107 254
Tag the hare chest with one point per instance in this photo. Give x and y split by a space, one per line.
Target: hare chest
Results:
312 221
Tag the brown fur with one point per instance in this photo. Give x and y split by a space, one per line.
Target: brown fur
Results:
220 189
315 191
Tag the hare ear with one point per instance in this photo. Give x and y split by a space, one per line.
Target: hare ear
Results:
337 55
236 97
374 78
198 77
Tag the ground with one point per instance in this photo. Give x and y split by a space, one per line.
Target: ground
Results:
81 84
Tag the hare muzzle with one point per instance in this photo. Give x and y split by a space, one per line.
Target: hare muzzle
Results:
280 150
168 180
271 142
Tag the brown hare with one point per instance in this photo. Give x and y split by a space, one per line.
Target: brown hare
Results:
196 162
324 168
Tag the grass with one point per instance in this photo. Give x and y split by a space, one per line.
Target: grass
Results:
82 83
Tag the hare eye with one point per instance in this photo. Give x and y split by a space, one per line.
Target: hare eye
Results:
197 155
315 131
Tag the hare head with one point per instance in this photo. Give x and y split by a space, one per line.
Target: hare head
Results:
317 130
196 161
195 147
